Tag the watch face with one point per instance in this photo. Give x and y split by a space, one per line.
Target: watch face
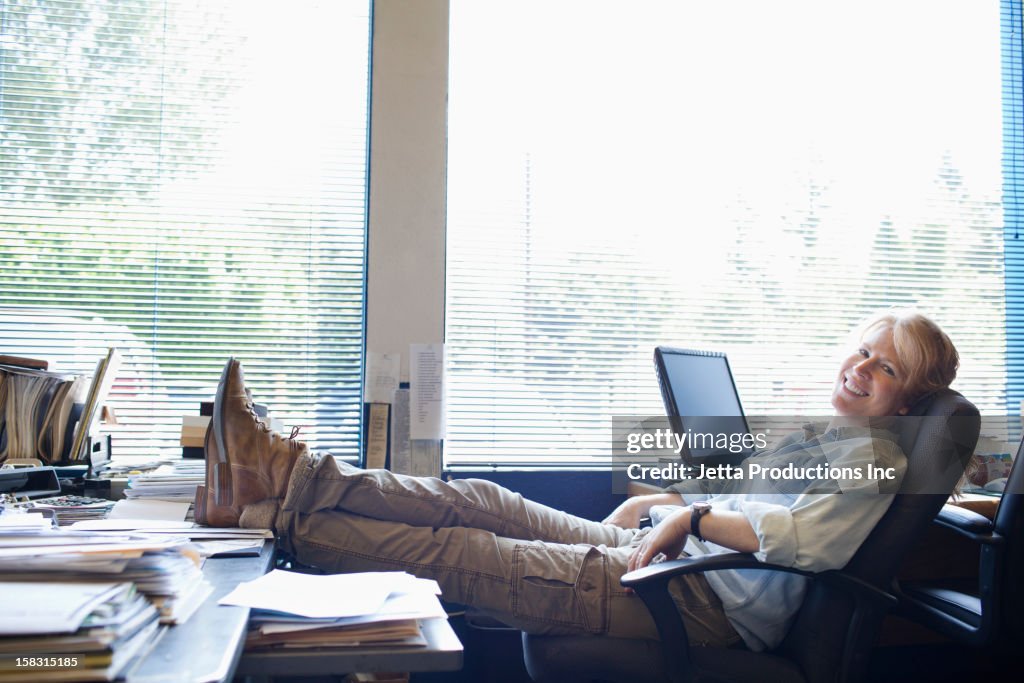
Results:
702 506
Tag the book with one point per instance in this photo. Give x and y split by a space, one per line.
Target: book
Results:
34 363
102 381
53 439
193 430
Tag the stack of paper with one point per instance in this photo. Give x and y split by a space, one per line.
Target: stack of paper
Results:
17 520
162 567
126 465
80 631
70 509
176 481
207 541
338 610
172 581
172 528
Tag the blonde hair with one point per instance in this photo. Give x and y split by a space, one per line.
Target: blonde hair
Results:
926 353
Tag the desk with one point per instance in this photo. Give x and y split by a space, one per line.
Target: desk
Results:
984 505
208 647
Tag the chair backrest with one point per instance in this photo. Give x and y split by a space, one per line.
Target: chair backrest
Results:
1010 525
938 446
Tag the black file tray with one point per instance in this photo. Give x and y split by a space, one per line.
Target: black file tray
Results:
29 481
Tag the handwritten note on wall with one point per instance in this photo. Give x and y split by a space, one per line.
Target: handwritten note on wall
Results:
381 376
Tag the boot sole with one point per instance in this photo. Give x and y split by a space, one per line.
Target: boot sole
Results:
222 471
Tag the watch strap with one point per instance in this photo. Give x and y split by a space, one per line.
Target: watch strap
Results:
696 512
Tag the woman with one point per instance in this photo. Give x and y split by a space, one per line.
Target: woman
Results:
545 571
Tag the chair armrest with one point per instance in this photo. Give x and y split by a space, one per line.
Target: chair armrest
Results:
662 571
968 523
658 574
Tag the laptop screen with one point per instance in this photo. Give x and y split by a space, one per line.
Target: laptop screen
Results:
699 394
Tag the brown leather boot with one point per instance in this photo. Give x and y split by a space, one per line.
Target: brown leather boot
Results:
246 461
207 511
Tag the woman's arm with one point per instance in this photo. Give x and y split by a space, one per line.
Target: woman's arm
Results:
632 510
726 528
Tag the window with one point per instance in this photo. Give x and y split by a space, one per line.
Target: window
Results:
751 178
188 178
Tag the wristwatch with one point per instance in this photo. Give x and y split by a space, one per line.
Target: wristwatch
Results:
698 510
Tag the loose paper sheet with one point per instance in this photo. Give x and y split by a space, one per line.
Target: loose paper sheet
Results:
426 396
172 511
381 376
313 595
131 524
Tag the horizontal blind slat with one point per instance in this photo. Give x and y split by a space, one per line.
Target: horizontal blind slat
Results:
161 191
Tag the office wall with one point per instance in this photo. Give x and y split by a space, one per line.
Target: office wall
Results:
405 270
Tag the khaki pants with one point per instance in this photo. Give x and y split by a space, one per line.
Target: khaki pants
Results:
525 564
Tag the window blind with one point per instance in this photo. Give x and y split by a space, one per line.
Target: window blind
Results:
187 180
753 178
1012 35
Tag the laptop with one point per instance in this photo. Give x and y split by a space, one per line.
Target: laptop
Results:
700 397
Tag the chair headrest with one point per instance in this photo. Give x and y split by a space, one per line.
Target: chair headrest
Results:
938 436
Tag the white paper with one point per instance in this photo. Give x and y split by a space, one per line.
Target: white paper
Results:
132 548
24 521
171 511
317 596
382 371
426 395
425 458
415 605
130 524
211 548
49 607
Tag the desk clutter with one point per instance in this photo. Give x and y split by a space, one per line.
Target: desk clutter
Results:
51 416
87 601
175 481
81 631
67 510
86 582
92 587
297 610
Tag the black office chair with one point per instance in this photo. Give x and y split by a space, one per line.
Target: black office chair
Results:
990 609
838 622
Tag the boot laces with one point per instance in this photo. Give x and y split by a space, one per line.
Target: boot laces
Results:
264 427
259 421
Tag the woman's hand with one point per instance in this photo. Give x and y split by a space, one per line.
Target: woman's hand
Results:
632 510
628 514
668 538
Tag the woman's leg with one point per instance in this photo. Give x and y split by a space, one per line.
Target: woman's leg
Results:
320 483
535 586
539 587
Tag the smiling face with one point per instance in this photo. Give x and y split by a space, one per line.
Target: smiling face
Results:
872 382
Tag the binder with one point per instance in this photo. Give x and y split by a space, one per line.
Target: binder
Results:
52 416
